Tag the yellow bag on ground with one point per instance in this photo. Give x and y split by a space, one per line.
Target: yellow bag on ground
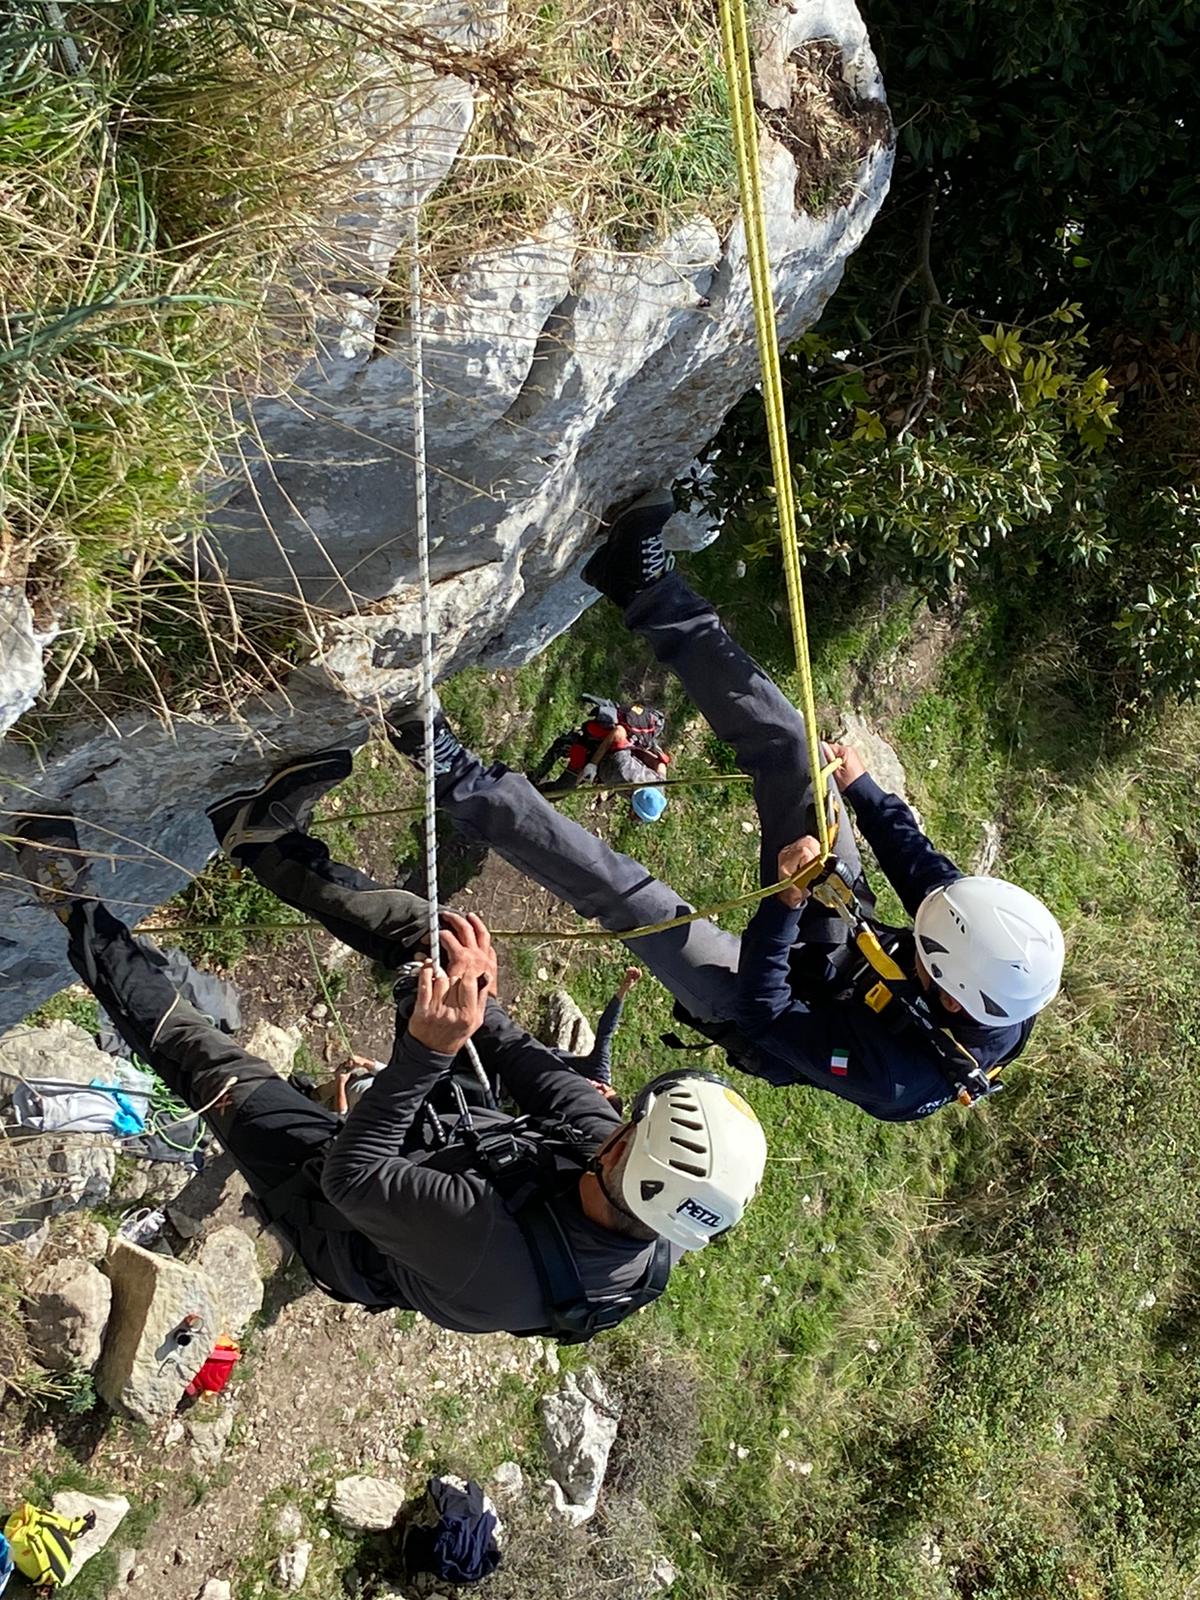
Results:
43 1543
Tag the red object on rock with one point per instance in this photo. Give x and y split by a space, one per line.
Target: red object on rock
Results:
216 1371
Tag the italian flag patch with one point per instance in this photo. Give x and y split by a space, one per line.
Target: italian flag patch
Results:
839 1063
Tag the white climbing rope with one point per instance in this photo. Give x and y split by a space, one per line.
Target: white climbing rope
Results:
421 497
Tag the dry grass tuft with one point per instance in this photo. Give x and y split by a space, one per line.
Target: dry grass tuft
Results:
616 114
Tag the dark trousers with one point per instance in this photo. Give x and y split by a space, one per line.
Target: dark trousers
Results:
697 962
269 1128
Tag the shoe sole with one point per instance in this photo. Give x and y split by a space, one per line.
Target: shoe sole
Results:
241 796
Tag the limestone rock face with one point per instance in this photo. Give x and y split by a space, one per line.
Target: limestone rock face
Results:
20 657
66 1311
562 379
152 1351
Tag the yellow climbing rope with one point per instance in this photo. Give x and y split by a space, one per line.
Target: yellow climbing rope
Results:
735 38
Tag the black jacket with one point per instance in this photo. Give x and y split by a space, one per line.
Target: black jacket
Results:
434 1230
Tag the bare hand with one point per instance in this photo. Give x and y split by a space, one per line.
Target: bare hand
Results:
852 764
462 930
792 859
606 1089
451 1002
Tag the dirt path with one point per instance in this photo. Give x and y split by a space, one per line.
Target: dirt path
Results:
333 1390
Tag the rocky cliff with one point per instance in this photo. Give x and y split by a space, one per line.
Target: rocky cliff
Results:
562 380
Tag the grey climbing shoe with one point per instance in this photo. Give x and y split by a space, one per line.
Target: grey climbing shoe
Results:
283 804
406 730
48 854
633 555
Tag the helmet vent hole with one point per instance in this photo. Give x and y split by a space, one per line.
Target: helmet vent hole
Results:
693 1124
650 1187
931 947
991 1007
688 1144
692 1170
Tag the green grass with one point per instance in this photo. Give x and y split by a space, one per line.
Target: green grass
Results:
95 1580
148 206
619 117
954 1381
82 1010
226 912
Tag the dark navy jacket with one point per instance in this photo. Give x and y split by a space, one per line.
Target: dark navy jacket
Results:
841 1045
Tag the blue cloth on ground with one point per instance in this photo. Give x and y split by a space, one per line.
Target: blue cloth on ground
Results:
453 1534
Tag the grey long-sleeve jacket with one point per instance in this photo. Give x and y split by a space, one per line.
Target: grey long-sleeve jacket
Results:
434 1231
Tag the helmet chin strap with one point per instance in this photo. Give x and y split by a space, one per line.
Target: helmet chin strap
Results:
596 1167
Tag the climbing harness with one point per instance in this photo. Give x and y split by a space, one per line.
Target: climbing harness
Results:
534 1164
872 977
882 985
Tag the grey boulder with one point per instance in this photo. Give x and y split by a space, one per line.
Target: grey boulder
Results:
228 1258
566 1026
109 1510
67 1309
291 1567
154 1348
579 1425
366 1505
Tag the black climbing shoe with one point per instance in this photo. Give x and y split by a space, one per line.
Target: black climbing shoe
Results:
48 853
633 556
283 804
406 730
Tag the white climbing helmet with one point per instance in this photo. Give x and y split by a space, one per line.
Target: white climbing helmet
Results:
991 946
695 1160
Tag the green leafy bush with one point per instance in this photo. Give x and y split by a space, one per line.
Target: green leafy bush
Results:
1008 379
927 469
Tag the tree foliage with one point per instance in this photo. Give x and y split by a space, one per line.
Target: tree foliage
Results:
1010 373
